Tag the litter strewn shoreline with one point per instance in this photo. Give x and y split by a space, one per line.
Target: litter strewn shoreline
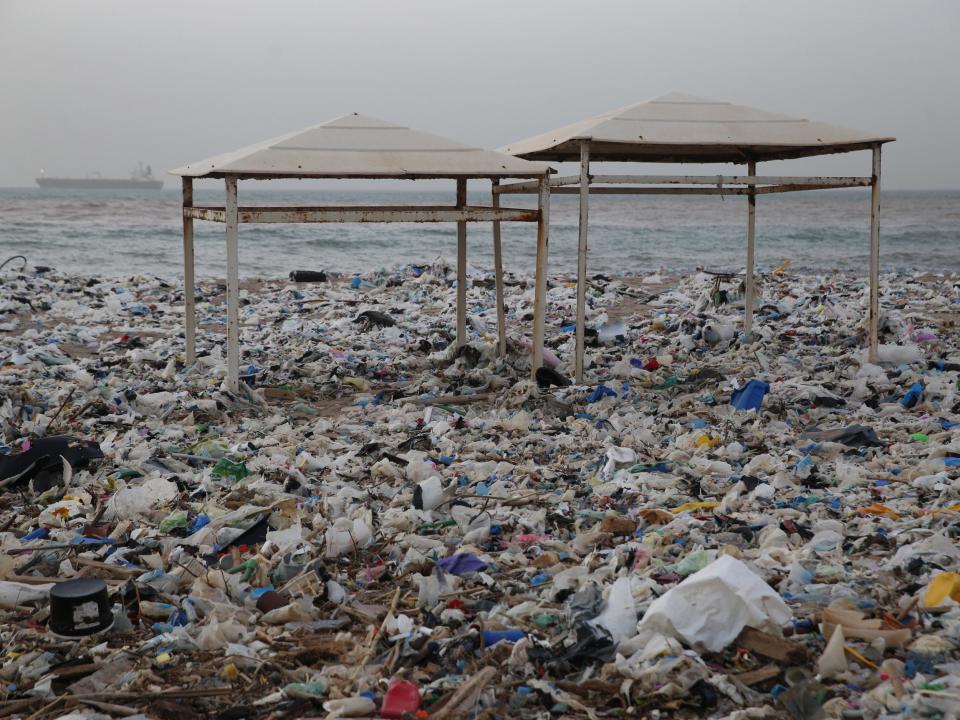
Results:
380 523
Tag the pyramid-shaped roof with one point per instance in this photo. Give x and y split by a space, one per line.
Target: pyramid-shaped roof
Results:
683 128
358 146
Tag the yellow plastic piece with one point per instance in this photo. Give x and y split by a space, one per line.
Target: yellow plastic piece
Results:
940 588
878 509
702 505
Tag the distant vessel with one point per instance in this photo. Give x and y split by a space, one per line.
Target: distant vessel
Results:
140 179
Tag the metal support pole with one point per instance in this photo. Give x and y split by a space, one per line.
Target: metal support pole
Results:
540 287
233 288
461 267
190 315
751 233
498 273
874 314
582 259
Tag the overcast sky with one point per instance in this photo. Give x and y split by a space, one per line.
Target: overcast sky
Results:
100 84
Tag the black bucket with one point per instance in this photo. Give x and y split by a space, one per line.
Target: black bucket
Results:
80 607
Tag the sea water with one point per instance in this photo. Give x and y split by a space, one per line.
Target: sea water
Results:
117 233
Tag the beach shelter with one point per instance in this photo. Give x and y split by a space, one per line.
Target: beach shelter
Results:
360 147
678 128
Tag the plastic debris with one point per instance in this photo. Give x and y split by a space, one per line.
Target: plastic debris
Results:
380 523
712 606
750 396
402 697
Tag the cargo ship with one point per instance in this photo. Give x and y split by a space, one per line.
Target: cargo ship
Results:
140 179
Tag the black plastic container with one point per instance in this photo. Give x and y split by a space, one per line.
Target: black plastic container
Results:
80 607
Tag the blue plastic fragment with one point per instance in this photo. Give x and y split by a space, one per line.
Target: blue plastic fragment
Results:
600 392
750 396
492 637
39 533
912 395
462 563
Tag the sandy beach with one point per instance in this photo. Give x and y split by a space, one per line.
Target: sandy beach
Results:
374 504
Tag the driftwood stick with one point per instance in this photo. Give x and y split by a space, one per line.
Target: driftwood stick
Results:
376 638
465 696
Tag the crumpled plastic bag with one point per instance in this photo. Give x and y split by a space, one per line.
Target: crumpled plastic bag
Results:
135 500
711 607
619 616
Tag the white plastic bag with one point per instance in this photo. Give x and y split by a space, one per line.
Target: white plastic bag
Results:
134 500
710 608
619 616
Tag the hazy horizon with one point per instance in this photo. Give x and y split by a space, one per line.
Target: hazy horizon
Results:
100 85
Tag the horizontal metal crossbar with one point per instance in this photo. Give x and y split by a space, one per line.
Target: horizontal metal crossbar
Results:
702 190
364 214
727 182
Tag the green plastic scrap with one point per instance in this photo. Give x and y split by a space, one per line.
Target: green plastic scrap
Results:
919 437
306 690
212 448
247 567
173 521
694 562
49 359
668 383
226 468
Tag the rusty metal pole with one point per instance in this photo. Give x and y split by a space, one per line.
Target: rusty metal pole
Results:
233 287
874 314
582 259
540 286
190 315
461 266
498 272
749 291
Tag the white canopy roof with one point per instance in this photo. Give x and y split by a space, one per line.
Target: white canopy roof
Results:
683 128
359 146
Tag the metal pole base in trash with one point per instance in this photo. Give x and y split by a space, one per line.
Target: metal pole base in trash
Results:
461 267
540 286
582 259
190 315
874 314
233 288
498 274
749 291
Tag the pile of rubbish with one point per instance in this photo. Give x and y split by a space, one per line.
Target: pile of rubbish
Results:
381 524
